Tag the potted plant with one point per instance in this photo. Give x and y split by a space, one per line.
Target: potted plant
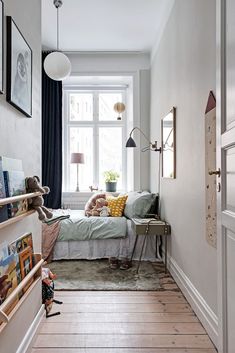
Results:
110 178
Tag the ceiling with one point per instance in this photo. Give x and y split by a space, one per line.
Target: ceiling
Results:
104 25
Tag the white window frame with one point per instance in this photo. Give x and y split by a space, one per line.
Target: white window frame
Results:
95 124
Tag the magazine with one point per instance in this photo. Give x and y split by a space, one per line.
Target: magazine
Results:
15 185
22 247
3 250
8 278
3 209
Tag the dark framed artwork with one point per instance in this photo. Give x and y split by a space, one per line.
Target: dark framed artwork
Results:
168 145
1 45
19 70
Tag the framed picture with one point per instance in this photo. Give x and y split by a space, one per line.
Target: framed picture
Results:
26 265
168 145
1 45
19 70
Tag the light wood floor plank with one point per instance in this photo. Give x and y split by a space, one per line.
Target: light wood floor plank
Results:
126 308
123 293
122 317
123 350
123 328
123 300
123 341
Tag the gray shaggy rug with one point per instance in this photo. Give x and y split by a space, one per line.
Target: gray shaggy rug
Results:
96 275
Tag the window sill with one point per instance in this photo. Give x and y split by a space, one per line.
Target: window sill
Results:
76 194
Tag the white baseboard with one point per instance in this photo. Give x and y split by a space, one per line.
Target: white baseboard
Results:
207 317
28 338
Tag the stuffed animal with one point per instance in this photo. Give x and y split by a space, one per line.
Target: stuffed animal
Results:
100 208
32 185
104 211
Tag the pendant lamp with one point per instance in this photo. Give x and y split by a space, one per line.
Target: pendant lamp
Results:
56 64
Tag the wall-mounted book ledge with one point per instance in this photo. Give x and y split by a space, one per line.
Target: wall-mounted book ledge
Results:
19 198
8 200
12 303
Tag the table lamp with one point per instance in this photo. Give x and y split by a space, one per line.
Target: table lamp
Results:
77 158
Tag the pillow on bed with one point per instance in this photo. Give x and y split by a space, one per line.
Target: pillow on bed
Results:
138 204
116 205
92 200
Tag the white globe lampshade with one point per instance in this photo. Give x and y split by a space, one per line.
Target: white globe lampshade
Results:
57 66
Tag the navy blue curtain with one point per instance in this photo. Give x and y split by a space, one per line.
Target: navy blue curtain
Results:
51 138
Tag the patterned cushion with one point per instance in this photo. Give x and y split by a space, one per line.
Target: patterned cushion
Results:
116 205
91 202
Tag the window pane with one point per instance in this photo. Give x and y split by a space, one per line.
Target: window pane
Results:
81 140
81 106
110 153
106 104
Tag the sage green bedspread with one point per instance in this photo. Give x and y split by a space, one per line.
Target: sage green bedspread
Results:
80 227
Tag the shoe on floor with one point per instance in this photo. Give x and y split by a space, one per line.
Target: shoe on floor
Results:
113 263
125 264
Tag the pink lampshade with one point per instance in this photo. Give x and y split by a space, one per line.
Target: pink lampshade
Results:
77 158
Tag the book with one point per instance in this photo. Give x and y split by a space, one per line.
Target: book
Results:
15 185
3 250
148 220
3 209
8 278
11 163
22 248
21 243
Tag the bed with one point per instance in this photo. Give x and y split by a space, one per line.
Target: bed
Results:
81 237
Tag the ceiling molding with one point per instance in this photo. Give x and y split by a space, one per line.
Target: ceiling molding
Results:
168 9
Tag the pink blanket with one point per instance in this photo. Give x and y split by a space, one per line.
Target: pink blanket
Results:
49 237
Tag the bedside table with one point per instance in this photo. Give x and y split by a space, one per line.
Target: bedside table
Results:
148 227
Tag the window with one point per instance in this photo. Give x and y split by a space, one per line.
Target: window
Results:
91 127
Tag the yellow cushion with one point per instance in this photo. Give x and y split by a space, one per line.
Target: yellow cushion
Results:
117 205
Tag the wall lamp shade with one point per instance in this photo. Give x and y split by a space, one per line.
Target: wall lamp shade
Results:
77 158
152 146
57 66
130 142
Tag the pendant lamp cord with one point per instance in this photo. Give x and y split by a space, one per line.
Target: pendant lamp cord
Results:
58 4
57 28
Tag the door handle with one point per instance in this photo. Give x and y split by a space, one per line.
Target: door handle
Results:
215 172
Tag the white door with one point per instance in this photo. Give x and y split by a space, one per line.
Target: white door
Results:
226 161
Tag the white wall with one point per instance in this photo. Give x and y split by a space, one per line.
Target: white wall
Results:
136 65
182 74
20 137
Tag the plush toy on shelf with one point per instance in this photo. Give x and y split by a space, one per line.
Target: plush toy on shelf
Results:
33 185
100 209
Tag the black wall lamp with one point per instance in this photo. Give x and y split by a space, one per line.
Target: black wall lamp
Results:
151 147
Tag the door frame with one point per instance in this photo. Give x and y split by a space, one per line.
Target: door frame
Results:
223 138
220 114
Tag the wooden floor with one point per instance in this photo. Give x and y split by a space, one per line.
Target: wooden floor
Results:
123 322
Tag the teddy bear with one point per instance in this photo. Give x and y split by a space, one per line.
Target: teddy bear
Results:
100 209
32 185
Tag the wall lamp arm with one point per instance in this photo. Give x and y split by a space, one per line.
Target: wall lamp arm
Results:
151 147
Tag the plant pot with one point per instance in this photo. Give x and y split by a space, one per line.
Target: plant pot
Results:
111 186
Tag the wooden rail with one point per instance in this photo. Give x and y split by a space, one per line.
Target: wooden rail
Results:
12 199
15 219
3 316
